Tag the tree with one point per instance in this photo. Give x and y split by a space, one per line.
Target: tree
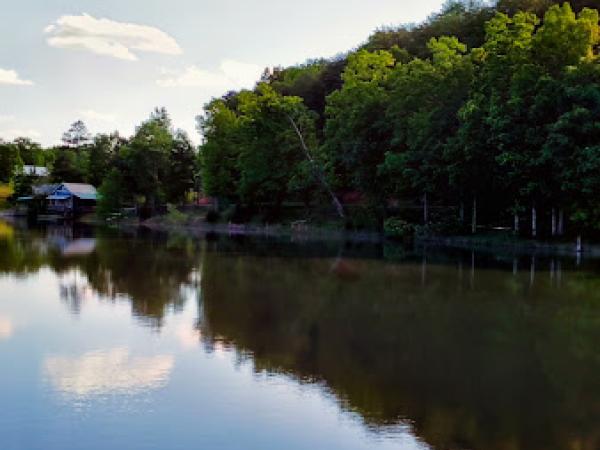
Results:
31 152
112 194
180 178
270 150
66 168
10 160
487 136
356 133
146 159
219 152
77 135
101 157
425 98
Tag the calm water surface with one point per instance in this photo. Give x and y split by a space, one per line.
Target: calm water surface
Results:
130 341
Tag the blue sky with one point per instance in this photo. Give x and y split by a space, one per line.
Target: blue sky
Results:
110 62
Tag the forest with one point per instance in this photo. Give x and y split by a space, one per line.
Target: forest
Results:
482 116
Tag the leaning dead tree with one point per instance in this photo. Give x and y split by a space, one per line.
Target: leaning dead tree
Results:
317 170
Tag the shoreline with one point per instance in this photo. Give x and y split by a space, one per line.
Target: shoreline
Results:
307 233
265 231
312 233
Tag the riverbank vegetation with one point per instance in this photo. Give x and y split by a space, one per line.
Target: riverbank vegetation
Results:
156 166
482 116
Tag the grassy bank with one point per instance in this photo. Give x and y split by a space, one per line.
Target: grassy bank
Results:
6 191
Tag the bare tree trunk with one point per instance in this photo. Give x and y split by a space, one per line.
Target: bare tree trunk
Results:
516 227
579 244
425 209
462 212
317 170
474 217
533 221
561 222
553 222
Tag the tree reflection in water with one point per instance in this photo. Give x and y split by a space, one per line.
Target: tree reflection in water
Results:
472 351
485 361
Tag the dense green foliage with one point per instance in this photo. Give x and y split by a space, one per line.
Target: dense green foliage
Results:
487 109
155 166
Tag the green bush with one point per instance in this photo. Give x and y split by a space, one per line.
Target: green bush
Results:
174 215
396 228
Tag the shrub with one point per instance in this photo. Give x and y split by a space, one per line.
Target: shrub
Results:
174 215
396 228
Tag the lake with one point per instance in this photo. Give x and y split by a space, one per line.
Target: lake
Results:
134 340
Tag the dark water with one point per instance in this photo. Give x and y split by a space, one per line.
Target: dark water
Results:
126 341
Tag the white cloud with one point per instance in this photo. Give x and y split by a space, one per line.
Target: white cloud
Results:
6 328
109 38
108 372
231 74
14 133
12 77
4 118
90 114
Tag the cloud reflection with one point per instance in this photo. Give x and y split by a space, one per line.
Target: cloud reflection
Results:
108 372
6 328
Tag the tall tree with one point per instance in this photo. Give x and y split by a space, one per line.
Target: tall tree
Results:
77 135
10 160
357 134
180 178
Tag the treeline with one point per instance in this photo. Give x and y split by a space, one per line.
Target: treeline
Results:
480 115
156 166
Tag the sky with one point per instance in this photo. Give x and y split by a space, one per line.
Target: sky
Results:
110 62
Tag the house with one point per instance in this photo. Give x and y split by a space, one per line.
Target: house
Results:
70 199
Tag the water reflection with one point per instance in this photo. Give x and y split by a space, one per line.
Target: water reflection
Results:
108 372
491 361
6 328
466 350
